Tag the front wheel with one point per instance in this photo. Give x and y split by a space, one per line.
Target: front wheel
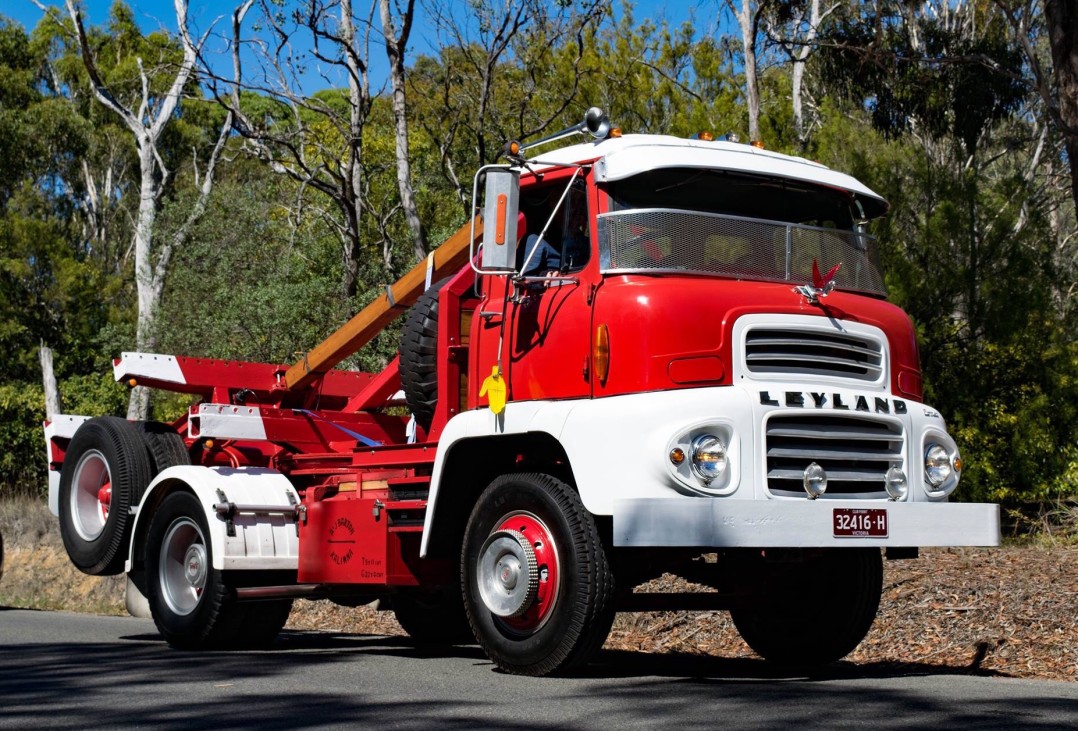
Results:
537 587
191 602
811 611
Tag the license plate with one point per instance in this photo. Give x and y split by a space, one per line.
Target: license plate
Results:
860 523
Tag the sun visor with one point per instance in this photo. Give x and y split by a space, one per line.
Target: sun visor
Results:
631 160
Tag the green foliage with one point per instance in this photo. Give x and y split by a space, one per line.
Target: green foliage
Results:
943 80
22 460
23 463
247 286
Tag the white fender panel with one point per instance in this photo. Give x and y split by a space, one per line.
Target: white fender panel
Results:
616 446
62 426
517 418
262 542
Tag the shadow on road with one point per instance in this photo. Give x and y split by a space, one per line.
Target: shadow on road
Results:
321 679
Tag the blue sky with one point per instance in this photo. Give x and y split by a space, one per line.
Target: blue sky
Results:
154 14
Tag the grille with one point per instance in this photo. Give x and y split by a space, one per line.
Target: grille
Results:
855 452
663 239
775 351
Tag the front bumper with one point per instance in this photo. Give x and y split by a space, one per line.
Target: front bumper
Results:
725 523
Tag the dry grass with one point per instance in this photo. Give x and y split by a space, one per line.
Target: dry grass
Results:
1011 610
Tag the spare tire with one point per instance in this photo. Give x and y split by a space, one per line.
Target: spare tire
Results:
419 356
106 469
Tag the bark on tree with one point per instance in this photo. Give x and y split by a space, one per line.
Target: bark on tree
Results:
395 48
147 123
1061 17
748 21
800 56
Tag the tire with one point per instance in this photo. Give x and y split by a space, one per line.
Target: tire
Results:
534 525
192 604
434 618
165 446
838 591
106 470
419 356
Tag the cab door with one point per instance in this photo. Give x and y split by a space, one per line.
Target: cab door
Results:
546 338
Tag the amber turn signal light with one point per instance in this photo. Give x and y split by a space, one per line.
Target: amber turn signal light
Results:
602 354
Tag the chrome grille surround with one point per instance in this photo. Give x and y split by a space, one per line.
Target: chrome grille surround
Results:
855 450
784 351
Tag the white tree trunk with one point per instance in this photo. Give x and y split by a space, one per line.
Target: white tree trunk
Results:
745 17
395 46
147 123
800 57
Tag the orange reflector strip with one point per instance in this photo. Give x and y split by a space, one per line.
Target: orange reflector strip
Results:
499 230
602 354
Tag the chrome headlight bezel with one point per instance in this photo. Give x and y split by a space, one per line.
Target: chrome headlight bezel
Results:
680 458
941 465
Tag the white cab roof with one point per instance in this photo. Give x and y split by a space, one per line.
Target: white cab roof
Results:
623 157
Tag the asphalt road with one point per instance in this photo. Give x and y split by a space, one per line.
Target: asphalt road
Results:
77 671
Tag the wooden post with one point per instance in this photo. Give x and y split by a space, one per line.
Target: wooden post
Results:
48 380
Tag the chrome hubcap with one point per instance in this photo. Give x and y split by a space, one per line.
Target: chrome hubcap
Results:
508 573
184 566
91 495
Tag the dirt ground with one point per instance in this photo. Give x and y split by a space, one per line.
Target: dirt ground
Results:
1010 611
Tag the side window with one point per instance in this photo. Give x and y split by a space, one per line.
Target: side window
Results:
576 239
565 246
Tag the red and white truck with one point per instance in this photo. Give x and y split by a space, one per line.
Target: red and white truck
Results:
648 354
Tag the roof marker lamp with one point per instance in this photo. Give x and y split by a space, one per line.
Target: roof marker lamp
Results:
708 457
814 480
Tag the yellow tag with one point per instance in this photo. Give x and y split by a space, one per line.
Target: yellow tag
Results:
494 389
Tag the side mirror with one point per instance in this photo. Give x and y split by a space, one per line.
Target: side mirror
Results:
501 206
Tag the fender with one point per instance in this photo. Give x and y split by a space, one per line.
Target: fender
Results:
261 541
524 417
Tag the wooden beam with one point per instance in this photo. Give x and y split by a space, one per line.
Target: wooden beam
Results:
357 332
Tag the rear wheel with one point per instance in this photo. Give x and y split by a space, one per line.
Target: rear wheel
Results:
191 602
433 617
165 446
106 469
537 587
809 612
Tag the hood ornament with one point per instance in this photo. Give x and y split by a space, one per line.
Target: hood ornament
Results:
822 284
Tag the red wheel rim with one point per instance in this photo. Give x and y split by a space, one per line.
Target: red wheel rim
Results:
546 556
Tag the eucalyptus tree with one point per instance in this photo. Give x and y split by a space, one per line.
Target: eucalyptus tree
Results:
147 111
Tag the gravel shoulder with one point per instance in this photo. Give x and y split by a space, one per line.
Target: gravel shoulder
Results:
1009 611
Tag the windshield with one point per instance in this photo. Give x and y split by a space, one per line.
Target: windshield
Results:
736 225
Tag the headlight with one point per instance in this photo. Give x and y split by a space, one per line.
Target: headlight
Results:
708 454
937 465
